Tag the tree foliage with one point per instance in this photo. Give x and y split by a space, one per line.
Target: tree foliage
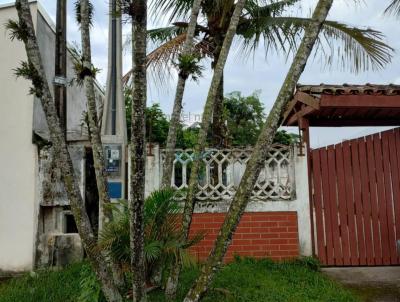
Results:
244 116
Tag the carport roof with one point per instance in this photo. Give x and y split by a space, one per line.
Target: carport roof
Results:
344 105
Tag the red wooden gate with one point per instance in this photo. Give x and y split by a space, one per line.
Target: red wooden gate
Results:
356 200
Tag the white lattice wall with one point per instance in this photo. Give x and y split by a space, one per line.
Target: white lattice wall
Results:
222 169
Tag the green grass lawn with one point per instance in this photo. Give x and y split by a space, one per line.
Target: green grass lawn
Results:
243 280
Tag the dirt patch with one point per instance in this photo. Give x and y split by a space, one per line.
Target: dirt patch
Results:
376 293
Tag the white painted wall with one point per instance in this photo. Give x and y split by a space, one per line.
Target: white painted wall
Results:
18 162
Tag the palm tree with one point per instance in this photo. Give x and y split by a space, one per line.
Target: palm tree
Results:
161 236
393 8
83 12
137 10
260 152
262 22
202 136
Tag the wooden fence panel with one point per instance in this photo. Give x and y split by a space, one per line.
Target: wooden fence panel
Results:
356 200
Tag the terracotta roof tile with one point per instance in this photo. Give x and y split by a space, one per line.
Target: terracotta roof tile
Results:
346 89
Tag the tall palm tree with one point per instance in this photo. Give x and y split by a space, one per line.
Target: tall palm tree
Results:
260 152
136 12
202 136
262 22
84 14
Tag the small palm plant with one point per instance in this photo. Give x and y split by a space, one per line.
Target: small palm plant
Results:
162 235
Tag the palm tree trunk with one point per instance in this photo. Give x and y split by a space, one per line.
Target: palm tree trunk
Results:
260 153
64 161
205 125
177 109
138 148
219 131
94 131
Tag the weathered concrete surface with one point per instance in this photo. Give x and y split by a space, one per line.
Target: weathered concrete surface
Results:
372 284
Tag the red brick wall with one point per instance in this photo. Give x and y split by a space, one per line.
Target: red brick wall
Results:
259 235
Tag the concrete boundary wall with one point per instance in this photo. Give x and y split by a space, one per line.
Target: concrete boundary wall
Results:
300 205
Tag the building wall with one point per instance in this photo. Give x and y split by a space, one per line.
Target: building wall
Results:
76 95
18 160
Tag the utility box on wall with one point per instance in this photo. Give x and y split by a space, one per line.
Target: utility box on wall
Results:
113 157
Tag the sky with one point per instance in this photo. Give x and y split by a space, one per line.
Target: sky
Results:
258 72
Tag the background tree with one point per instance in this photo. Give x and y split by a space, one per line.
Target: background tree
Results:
259 154
157 123
33 70
246 111
244 117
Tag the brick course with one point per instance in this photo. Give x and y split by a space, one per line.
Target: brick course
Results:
259 235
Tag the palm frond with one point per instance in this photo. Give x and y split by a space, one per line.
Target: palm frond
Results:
270 9
164 34
152 250
160 61
173 8
278 7
356 48
360 49
393 8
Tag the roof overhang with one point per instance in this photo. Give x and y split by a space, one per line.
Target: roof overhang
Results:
344 105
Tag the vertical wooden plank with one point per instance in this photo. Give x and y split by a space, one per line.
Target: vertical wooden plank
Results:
362 253
374 201
317 200
350 203
337 249
381 199
344 232
389 196
394 160
366 201
326 208
397 136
